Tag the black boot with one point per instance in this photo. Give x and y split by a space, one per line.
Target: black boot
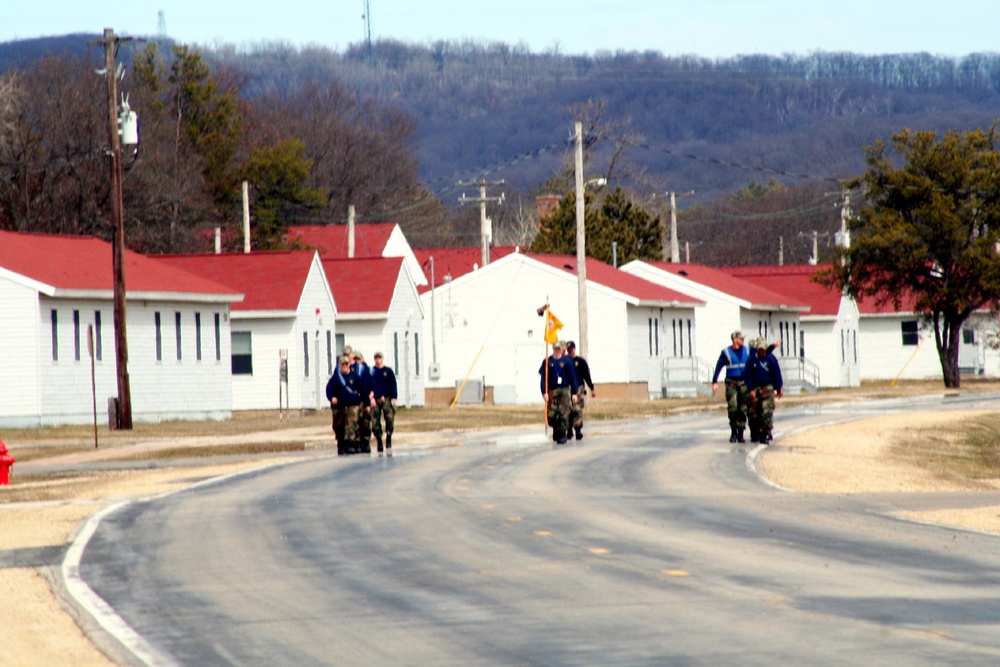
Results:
579 432
388 440
732 434
765 437
378 439
739 435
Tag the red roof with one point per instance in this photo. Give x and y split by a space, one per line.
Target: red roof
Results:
370 239
795 281
456 261
727 283
626 283
363 285
270 280
85 263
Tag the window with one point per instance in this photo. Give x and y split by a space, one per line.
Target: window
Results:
177 333
673 325
802 344
242 353
305 352
197 336
98 346
55 334
159 337
416 352
654 337
968 337
339 339
910 332
329 352
76 335
218 339
690 340
395 350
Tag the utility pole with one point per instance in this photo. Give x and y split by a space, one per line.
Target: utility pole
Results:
675 251
110 43
485 233
581 250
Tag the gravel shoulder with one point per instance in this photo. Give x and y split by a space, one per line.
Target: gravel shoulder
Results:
854 457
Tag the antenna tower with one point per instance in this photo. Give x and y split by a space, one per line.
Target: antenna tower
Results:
161 25
367 17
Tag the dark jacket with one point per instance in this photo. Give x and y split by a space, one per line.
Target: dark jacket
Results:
762 371
582 372
344 387
562 373
383 382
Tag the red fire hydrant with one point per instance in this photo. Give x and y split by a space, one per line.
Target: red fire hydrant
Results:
6 463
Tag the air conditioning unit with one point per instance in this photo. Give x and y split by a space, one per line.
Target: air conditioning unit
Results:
472 392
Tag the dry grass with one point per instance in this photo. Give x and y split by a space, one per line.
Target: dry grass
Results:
969 450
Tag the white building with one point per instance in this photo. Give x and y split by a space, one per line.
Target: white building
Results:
486 328
828 334
379 311
58 291
730 304
283 332
900 344
365 241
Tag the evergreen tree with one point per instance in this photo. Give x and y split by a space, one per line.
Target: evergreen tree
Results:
617 220
928 232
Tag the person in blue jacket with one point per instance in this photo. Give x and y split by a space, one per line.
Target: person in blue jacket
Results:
733 359
383 401
762 376
559 392
345 400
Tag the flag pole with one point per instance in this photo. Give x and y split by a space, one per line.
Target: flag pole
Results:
545 406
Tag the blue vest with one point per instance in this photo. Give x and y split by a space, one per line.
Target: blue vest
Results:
737 360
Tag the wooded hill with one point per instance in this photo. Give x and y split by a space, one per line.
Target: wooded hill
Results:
674 123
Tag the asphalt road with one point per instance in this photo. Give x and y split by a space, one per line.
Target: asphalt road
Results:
647 543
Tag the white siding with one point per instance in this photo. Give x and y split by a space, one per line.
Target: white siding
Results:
20 349
169 389
400 338
653 335
487 325
397 246
303 335
883 355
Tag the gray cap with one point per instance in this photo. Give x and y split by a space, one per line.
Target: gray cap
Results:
560 344
736 335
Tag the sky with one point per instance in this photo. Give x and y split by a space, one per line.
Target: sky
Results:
707 28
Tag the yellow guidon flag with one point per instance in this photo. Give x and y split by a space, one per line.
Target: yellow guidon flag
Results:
552 327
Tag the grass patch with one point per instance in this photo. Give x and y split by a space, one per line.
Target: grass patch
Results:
216 450
966 451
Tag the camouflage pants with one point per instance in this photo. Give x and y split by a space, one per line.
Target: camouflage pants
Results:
762 410
384 410
560 407
345 424
365 421
576 411
737 398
